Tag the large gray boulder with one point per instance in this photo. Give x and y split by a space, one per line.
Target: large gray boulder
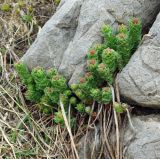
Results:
65 39
140 80
145 144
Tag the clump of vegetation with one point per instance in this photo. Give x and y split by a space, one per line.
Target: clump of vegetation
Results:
5 7
43 87
125 41
104 60
27 18
21 20
47 88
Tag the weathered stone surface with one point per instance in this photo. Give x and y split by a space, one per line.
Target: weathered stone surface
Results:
54 38
89 145
140 79
65 39
146 144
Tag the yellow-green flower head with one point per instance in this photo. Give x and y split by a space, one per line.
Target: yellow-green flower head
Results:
74 87
79 94
73 100
51 72
95 91
5 7
38 70
106 28
121 36
122 28
67 93
88 110
58 118
108 51
118 107
80 108
103 70
98 46
96 94
106 95
57 77
101 66
48 90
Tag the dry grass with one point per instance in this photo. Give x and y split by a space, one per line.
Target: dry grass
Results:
20 24
24 131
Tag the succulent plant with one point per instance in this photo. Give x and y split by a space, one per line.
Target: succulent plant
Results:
106 95
73 101
88 110
40 78
92 65
93 54
109 37
122 29
58 118
96 94
99 49
110 59
79 93
51 72
58 82
65 101
135 29
32 94
104 73
23 73
44 87
118 107
74 87
80 108
103 61
123 48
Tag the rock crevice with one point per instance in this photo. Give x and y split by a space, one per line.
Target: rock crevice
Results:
143 71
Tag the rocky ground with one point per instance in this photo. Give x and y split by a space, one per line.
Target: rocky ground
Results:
63 43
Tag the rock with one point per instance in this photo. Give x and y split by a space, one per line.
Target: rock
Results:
65 39
90 145
54 38
146 144
139 81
